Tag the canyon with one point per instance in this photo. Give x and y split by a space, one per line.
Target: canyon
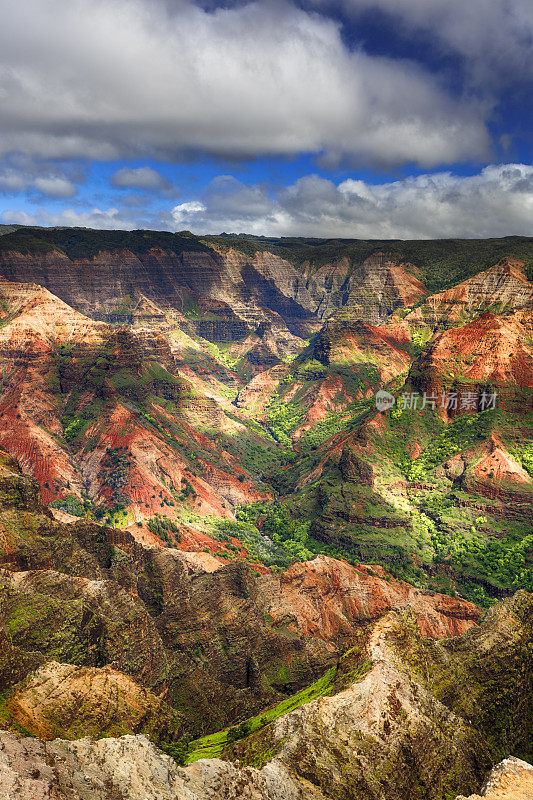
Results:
224 572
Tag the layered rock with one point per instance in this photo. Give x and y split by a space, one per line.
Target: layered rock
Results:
73 702
381 285
492 353
217 643
100 412
109 284
494 473
331 599
504 286
351 342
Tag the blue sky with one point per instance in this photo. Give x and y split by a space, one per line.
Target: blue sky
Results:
363 118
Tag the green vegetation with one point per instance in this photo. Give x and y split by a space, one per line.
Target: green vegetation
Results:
431 530
283 418
113 474
462 433
332 424
440 263
167 530
526 457
87 243
71 505
283 539
212 746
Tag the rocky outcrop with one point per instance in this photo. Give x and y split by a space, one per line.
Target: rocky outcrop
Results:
350 342
86 409
353 468
331 599
217 643
381 285
494 473
256 394
72 702
129 768
494 353
512 779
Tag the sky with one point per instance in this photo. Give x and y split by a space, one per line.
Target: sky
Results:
328 118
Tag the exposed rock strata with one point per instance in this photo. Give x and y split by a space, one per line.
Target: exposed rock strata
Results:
395 727
72 702
503 286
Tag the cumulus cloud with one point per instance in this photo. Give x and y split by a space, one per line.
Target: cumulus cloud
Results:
55 187
104 219
122 78
22 174
230 205
498 201
140 178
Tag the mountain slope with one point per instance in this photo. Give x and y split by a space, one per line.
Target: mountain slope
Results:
202 395
229 550
216 642
394 725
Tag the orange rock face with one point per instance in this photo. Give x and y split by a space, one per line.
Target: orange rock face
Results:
29 410
504 284
42 347
330 599
492 351
512 779
498 475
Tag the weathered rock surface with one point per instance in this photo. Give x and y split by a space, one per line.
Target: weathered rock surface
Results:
218 643
492 353
72 702
63 369
503 286
331 599
381 285
512 779
494 473
392 729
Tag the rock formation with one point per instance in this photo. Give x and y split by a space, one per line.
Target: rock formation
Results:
512 779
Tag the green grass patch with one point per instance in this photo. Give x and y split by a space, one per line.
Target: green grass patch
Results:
212 746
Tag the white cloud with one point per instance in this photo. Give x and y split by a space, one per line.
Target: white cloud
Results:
12 181
228 205
186 213
107 219
55 187
118 78
19 218
498 201
227 196
27 175
140 178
